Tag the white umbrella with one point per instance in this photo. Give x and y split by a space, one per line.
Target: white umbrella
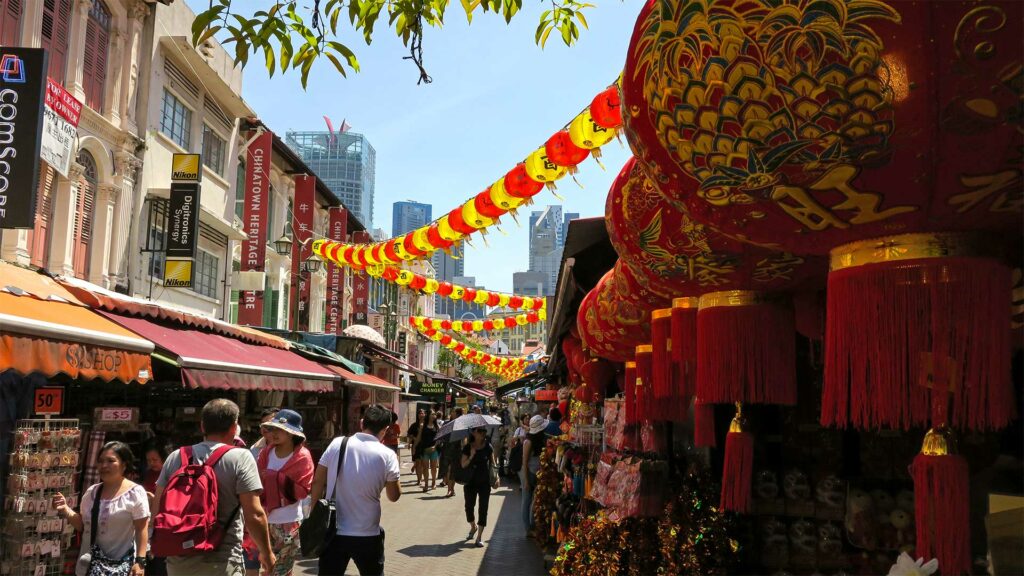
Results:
366 333
455 430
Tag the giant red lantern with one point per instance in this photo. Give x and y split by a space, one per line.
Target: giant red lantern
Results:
614 317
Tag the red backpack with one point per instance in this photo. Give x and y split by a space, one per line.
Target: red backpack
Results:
186 523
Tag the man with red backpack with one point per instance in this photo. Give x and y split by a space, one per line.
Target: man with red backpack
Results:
204 495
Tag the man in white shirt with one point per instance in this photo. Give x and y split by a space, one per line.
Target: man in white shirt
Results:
368 467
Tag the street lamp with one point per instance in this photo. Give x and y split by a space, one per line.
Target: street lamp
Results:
312 264
283 245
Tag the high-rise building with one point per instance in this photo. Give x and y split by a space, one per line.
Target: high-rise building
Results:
447 268
467 310
548 229
345 162
408 216
529 283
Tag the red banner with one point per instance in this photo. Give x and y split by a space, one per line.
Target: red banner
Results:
360 287
303 209
336 230
254 222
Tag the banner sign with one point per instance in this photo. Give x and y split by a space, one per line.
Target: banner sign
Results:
48 401
360 286
60 127
337 226
303 210
432 388
254 223
186 168
182 234
22 94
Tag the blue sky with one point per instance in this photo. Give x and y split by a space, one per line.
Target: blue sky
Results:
496 96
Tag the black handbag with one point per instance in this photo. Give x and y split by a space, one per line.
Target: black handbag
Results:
317 531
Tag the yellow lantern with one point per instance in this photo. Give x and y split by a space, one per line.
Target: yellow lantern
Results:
527 303
431 286
521 320
404 278
420 240
502 198
457 292
401 251
542 169
474 218
542 314
503 300
445 230
457 325
481 296
478 325
585 133
437 337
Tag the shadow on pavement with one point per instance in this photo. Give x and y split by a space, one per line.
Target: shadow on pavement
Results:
434 550
509 551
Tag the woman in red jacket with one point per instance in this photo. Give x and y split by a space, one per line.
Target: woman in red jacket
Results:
286 470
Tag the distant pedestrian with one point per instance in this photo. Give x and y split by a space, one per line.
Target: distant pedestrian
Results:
154 458
479 457
265 415
451 452
554 427
413 435
476 409
286 472
113 518
532 448
367 468
238 487
392 435
430 455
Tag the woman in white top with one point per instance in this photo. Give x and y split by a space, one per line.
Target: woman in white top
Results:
121 533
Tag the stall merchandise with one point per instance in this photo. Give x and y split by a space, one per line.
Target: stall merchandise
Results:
44 458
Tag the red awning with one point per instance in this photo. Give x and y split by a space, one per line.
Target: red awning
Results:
214 361
368 380
475 391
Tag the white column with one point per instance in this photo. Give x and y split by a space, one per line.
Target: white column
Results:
65 204
31 24
127 168
116 71
14 246
137 12
76 47
107 196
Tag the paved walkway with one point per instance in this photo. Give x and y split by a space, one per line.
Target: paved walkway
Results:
426 536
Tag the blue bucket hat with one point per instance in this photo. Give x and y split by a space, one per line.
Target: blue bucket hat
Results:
288 420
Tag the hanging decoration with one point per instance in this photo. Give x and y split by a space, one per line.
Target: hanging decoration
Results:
474 326
561 154
507 366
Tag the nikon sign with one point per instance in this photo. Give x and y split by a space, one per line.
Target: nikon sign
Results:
22 93
183 221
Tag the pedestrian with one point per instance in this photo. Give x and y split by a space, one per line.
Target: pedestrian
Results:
367 468
155 455
476 409
265 415
532 448
430 455
554 427
413 436
450 454
478 456
238 488
113 518
393 434
286 472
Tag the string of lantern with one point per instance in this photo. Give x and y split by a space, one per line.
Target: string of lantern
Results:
469 327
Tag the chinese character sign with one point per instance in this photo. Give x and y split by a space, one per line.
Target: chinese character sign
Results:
303 209
337 227
254 221
360 287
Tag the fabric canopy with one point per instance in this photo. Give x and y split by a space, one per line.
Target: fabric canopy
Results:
44 329
214 361
475 391
368 380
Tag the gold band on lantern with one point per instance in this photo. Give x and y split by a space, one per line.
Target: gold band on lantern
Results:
738 422
630 364
732 298
644 349
686 302
939 442
661 314
907 247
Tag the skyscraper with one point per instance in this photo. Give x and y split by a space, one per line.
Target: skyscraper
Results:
548 229
408 216
345 162
447 269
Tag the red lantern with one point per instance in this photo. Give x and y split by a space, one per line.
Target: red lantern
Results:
418 282
412 320
510 322
493 299
488 325
485 206
562 151
389 251
446 324
598 374
429 333
469 294
532 317
435 239
390 273
613 318
459 224
515 302
444 289
446 340
518 184
460 347
410 246
606 109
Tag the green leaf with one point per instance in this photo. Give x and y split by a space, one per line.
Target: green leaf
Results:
268 54
337 63
582 19
202 22
300 55
286 50
208 34
334 20
350 56
306 66
544 36
565 35
469 6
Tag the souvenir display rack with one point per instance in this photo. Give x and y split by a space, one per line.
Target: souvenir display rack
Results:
44 460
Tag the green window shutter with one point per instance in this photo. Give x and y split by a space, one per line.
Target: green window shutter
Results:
234 307
270 303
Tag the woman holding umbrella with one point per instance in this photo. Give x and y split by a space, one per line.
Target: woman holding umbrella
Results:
478 456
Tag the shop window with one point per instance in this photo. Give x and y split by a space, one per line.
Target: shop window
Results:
56 34
10 22
176 121
233 307
157 239
84 207
213 150
97 46
39 239
205 275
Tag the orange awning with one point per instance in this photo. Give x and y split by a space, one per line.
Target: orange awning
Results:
44 329
368 380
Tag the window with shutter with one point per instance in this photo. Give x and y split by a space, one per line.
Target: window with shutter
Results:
39 237
10 22
94 66
55 36
84 210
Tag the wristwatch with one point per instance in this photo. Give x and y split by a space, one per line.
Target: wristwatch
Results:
141 561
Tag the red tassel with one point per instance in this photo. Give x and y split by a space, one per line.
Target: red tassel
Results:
738 471
684 354
745 352
704 425
629 387
941 508
809 314
644 391
936 324
661 364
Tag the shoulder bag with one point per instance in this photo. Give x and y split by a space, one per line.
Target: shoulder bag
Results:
95 562
317 531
